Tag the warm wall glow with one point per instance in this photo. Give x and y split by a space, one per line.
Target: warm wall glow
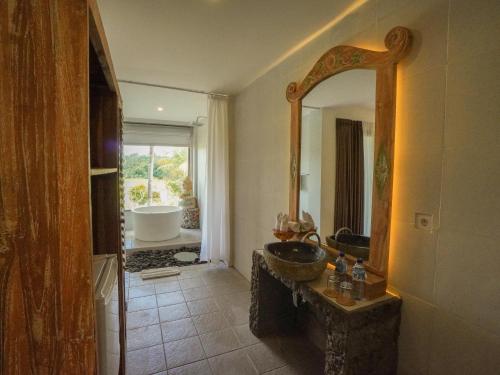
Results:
350 9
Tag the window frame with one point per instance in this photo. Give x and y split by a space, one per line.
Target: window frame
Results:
151 165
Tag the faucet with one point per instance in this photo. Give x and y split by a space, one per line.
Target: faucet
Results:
342 230
310 234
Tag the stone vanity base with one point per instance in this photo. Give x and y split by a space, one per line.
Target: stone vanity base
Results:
359 341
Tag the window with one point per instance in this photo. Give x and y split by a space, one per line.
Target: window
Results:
153 174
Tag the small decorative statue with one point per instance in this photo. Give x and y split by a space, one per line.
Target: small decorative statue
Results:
284 229
304 225
189 204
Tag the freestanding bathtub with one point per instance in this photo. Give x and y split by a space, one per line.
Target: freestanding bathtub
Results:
157 223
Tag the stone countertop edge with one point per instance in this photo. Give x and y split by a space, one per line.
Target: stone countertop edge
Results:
318 285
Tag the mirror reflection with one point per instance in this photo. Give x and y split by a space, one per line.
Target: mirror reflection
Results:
337 159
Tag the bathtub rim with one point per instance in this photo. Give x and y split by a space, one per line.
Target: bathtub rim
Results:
174 209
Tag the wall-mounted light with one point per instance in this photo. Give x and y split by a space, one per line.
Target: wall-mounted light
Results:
159 109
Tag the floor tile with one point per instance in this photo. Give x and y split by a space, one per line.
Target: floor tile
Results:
191 283
142 318
179 329
141 303
239 299
289 370
202 306
196 368
218 329
219 342
141 291
232 363
237 315
188 274
137 281
173 312
196 293
229 288
167 286
245 336
210 322
265 357
172 298
143 337
146 361
301 356
184 351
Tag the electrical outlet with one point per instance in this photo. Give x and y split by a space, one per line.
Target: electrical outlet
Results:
424 221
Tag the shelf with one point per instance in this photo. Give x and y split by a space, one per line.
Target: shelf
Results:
101 171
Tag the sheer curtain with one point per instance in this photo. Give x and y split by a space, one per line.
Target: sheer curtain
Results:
215 219
368 155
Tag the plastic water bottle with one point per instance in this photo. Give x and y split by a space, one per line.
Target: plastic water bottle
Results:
358 280
340 271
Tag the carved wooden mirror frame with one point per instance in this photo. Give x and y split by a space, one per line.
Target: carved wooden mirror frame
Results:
337 60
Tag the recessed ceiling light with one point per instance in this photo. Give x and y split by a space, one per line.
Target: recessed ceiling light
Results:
160 109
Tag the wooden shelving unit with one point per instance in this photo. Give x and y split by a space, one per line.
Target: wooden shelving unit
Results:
105 139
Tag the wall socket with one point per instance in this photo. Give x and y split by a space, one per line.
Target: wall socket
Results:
424 221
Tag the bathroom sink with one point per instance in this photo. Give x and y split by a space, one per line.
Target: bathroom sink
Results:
295 260
352 244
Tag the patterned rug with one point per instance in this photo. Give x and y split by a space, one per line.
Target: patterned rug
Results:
147 259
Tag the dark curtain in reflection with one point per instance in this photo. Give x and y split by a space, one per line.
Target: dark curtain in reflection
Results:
349 180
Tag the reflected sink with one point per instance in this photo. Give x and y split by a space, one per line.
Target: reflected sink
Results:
352 244
295 260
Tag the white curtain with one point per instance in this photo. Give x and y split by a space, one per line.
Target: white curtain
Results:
368 152
215 220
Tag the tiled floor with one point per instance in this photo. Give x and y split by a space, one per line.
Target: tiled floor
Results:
197 323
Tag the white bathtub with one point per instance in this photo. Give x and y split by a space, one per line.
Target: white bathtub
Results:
157 223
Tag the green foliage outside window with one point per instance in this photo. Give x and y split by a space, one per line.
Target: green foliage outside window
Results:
135 166
156 197
169 168
139 194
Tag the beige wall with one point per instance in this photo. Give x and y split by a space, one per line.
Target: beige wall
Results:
328 174
310 164
447 164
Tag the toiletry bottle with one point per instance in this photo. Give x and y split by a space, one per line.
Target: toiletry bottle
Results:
340 270
358 279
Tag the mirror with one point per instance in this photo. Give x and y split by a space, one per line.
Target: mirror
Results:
342 147
337 157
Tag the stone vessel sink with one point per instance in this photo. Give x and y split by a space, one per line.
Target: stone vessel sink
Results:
352 244
295 260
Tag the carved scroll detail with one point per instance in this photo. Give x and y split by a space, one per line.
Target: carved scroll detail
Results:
342 58
382 170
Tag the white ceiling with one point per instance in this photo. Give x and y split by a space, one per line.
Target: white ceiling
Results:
142 102
207 45
354 88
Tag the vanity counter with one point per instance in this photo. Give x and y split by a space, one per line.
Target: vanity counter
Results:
360 339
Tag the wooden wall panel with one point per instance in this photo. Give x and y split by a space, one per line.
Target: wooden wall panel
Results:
46 289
